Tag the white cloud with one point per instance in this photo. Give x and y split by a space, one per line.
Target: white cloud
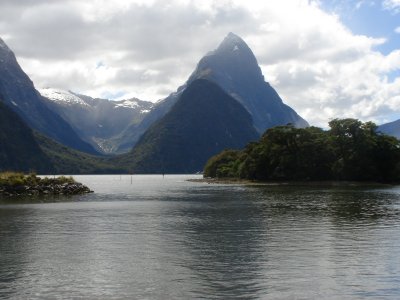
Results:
397 30
393 5
148 48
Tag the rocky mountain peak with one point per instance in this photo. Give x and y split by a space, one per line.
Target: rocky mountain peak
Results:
232 60
234 67
233 43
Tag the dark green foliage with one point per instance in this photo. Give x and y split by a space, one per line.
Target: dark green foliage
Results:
203 122
223 164
69 161
350 150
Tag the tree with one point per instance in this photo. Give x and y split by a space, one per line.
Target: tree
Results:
350 150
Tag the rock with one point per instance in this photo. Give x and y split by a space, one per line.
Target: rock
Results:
44 189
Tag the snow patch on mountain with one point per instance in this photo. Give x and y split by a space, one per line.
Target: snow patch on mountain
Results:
129 103
62 96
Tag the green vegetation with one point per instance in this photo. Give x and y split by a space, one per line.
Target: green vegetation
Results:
13 184
16 179
66 160
350 150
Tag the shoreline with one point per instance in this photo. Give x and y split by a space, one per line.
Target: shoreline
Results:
328 183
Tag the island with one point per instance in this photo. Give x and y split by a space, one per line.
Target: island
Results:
20 184
350 150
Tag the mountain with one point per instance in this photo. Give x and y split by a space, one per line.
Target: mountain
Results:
18 93
66 160
204 121
18 148
24 150
99 122
234 68
128 139
392 128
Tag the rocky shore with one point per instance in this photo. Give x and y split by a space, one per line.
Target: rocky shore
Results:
45 189
16 184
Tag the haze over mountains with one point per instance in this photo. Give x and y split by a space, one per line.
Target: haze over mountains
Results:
225 103
100 122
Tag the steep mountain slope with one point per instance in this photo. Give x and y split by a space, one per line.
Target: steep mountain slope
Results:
69 161
392 128
204 121
19 94
130 136
100 122
22 149
234 68
19 150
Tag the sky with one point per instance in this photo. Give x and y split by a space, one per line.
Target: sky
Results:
326 58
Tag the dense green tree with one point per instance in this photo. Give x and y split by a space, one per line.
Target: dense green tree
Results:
350 150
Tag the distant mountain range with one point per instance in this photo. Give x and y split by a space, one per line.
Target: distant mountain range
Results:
391 128
100 122
225 103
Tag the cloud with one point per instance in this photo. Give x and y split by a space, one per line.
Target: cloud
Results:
397 30
392 5
147 49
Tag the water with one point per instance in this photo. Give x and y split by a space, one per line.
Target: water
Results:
169 238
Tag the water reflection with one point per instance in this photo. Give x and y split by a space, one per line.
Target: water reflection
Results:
14 247
223 246
179 240
341 204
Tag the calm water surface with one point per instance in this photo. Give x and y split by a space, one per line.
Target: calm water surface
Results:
145 237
